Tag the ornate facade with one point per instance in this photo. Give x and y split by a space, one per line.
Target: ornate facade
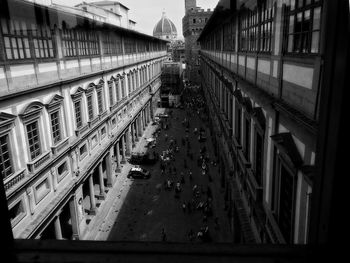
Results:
75 95
261 69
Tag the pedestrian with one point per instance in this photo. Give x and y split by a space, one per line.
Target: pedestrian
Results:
190 175
184 207
163 234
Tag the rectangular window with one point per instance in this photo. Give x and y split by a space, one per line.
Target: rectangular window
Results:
90 107
103 132
33 140
55 125
16 39
94 141
68 43
286 197
266 25
111 97
41 190
100 101
249 26
42 40
117 90
16 213
259 158
239 124
62 170
247 139
6 168
78 119
83 150
302 26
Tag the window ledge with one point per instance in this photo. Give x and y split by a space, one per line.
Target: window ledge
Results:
35 164
59 146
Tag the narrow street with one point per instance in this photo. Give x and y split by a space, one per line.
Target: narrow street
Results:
148 207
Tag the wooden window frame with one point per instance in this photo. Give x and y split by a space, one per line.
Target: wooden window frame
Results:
18 39
290 42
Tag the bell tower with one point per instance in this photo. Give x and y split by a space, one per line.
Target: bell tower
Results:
190 4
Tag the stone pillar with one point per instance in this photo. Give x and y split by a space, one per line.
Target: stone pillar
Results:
136 130
128 141
132 135
101 183
109 169
123 148
30 200
73 209
139 126
117 157
143 120
58 230
92 196
54 179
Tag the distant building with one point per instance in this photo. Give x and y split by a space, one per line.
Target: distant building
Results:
171 84
192 24
165 29
114 12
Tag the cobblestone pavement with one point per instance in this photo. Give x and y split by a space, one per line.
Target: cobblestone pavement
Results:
140 208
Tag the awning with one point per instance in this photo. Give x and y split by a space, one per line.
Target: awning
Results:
286 145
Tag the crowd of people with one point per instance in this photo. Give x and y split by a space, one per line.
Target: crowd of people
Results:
176 178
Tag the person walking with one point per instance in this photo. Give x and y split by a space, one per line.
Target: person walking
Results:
184 207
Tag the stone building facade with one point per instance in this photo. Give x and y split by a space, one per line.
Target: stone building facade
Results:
192 24
75 96
261 67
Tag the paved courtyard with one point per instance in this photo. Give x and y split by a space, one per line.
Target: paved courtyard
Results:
138 209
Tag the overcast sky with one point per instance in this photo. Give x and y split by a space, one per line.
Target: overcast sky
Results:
147 13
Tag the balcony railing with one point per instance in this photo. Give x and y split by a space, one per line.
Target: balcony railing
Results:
32 166
14 179
57 148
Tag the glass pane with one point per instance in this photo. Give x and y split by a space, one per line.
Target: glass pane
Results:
8 53
17 28
317 18
4 26
27 52
24 28
7 42
315 41
291 24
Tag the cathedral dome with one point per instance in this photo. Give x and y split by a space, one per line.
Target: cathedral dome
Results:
165 29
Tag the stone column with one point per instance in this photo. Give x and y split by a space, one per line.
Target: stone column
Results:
139 126
143 120
92 196
123 148
128 141
101 183
109 169
132 135
73 209
54 179
58 230
30 200
136 130
117 157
